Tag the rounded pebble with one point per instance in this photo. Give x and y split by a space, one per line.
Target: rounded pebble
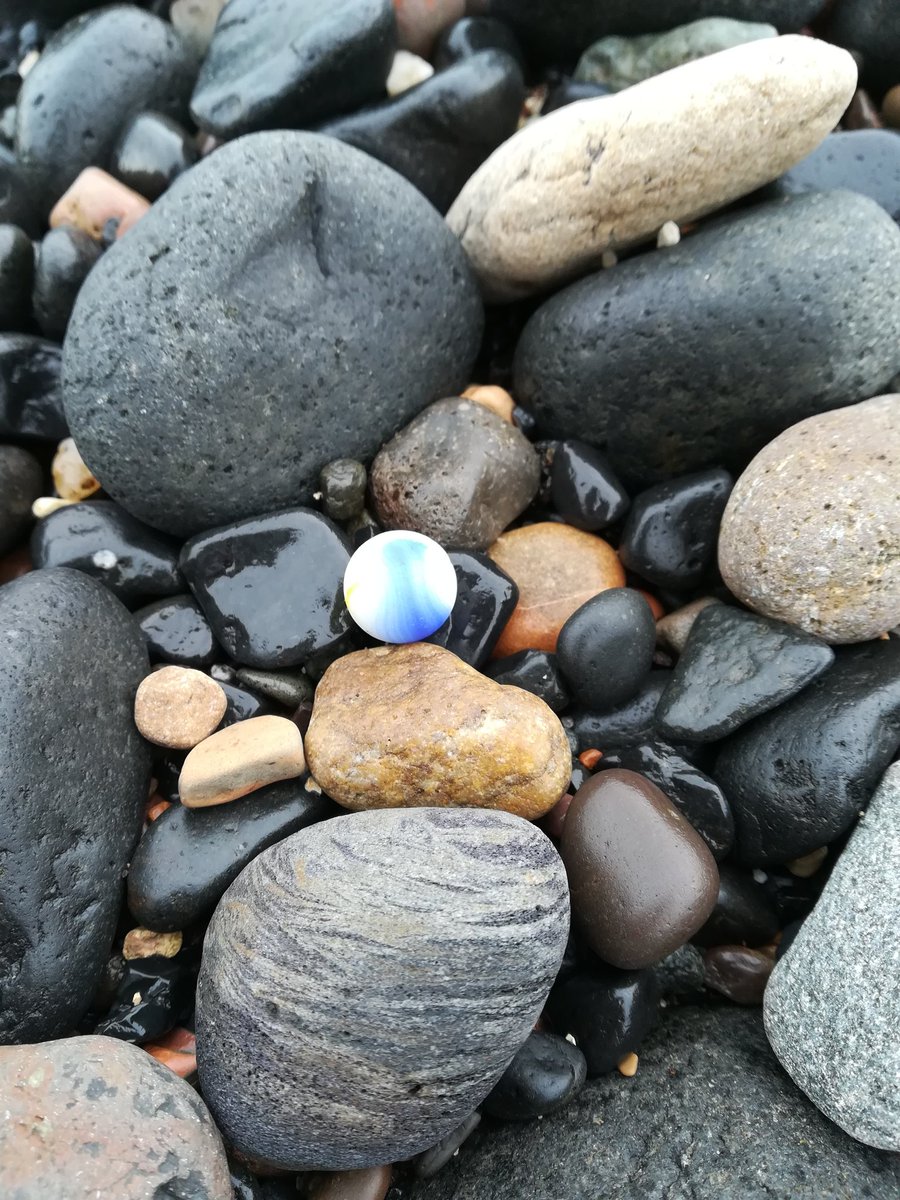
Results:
178 707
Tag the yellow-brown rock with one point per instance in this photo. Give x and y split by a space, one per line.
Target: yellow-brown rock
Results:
413 725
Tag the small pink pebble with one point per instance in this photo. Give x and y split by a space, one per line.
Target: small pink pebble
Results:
95 198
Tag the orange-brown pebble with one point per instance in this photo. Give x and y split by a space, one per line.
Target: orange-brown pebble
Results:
178 707
71 475
890 107
552 823
655 605
370 1183
156 806
145 943
807 865
557 569
15 564
239 759
177 1051
628 1066
589 758
95 198
497 399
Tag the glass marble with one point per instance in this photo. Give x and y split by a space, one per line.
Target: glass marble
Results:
400 586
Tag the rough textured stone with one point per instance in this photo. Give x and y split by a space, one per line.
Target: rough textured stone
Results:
458 473
735 666
73 782
800 298
21 482
91 1115
458 923
178 707
259 264
454 736
607 174
709 1111
865 161
811 534
832 1006
240 759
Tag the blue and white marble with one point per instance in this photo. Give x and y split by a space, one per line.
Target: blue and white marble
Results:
400 586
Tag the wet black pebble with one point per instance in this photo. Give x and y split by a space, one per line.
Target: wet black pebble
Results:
64 259
16 276
244 704
584 487
30 391
744 914
485 601
534 671
672 530
470 36
605 649
288 688
608 1012
177 632
153 994
545 1074
21 482
253 581
101 539
152 152
627 724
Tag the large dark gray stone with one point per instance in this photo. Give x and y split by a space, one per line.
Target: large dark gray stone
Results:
862 160
699 355
299 299
872 27
74 774
709 1114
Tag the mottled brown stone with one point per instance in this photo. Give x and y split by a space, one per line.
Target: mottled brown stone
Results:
738 972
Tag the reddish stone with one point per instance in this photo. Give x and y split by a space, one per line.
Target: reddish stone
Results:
95 198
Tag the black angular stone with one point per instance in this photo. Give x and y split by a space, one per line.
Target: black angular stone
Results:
672 530
152 995
584 487
153 151
244 704
16 276
73 783
438 133
693 792
736 665
864 160
544 1075
628 724
103 540
177 632
799 297
798 776
93 75
288 63
743 915
64 259
568 91
272 587
485 601
605 649
471 35
21 482
607 1011
534 671
30 392
188 857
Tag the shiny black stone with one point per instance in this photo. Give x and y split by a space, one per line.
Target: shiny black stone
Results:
30 392
744 914
177 632
534 671
167 766
439 132
484 603
289 688
165 987
152 152
672 530
272 587
101 539
472 34
735 666
605 649
16 276
608 1012
690 790
864 160
567 91
21 482
628 724
64 259
188 857
244 704
798 776
584 487
544 1075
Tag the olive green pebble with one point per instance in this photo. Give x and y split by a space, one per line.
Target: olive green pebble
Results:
343 487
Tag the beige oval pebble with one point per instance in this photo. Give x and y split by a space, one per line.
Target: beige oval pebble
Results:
178 707
71 475
610 172
146 943
811 532
238 760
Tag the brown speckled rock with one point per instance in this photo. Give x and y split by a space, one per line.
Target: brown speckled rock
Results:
178 707
90 1117
642 879
239 759
458 473
609 172
811 534
366 981
413 725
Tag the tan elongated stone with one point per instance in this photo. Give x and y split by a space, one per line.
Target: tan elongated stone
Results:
605 174
239 759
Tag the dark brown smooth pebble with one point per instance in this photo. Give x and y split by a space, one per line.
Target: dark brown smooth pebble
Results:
737 972
642 880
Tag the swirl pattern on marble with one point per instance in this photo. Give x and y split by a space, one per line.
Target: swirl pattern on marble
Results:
366 981
400 586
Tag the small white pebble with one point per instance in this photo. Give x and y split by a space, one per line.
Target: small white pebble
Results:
45 505
608 259
104 560
406 71
669 235
759 876
28 62
569 1038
